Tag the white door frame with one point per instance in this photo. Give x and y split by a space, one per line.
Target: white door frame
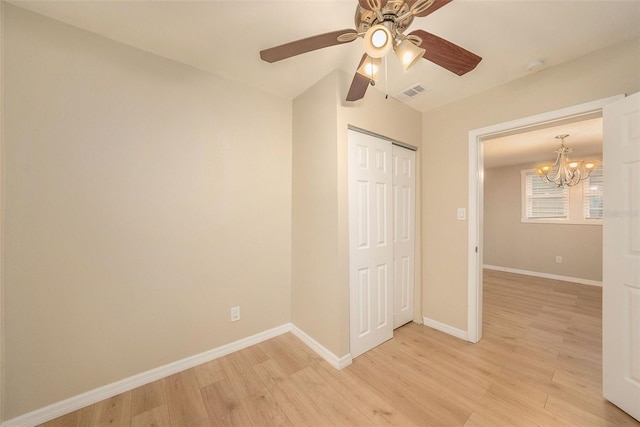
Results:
476 186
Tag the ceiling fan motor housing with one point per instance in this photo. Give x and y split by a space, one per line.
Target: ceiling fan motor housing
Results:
366 19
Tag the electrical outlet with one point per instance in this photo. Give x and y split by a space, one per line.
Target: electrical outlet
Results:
235 314
558 259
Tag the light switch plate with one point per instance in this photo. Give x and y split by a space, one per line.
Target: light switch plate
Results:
462 214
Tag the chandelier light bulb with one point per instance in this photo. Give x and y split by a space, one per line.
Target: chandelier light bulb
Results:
590 165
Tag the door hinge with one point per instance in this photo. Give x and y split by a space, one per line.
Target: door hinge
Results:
476 249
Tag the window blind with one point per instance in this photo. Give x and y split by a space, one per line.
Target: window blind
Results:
545 201
592 191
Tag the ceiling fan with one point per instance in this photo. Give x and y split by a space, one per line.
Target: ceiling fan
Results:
381 23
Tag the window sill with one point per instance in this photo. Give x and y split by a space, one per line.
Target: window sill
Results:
562 221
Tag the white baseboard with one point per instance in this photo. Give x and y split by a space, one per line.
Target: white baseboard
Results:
74 403
545 275
447 329
335 361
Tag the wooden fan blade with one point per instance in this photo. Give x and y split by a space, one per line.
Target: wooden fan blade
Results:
359 84
368 4
435 6
446 54
301 46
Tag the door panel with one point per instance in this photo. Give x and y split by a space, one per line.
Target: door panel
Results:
370 245
621 255
403 233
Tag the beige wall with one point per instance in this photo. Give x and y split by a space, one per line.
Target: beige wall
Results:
445 158
143 200
315 279
510 243
320 279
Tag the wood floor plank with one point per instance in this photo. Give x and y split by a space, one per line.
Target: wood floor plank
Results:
338 411
270 373
497 412
408 392
234 365
573 413
147 397
223 406
589 384
155 417
265 410
531 409
113 411
210 372
253 355
351 390
281 355
566 402
296 407
184 399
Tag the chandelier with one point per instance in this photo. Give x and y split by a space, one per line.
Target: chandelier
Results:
565 172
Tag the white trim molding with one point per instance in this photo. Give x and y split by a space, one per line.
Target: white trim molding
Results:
74 403
447 329
335 361
544 275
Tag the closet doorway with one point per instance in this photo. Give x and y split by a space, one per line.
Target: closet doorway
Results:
381 238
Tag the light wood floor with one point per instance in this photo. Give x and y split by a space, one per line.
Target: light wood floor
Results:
539 363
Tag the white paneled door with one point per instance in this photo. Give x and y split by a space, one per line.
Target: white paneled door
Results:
371 241
404 183
621 255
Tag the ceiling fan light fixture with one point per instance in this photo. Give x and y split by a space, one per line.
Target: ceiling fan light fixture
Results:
378 41
370 68
382 24
408 53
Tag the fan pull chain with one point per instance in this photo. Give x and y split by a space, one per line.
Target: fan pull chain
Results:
386 80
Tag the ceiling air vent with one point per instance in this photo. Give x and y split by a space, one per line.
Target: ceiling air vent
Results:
414 90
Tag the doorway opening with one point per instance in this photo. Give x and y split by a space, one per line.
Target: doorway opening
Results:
477 140
537 229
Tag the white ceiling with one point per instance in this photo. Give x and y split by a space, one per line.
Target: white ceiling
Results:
537 146
224 38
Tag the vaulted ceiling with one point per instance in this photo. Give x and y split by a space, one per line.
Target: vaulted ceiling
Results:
225 37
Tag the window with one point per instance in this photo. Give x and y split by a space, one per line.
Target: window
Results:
592 190
543 200
579 204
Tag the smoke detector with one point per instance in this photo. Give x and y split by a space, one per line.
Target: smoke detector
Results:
535 65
